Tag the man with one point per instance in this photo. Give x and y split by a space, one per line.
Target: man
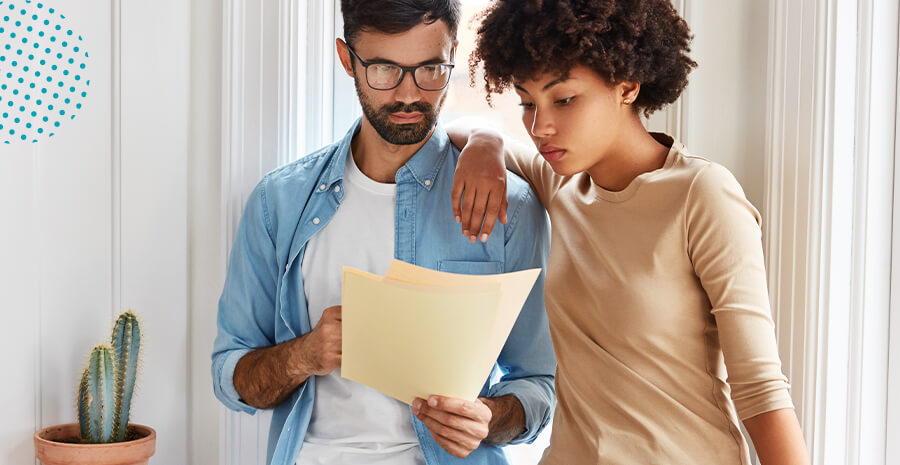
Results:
378 194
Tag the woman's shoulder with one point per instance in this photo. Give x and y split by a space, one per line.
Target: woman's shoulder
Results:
712 191
705 186
701 175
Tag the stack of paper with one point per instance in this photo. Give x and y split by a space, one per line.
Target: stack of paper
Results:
417 332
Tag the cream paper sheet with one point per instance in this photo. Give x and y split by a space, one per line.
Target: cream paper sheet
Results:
417 332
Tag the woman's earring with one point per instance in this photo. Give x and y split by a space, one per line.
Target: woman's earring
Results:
628 101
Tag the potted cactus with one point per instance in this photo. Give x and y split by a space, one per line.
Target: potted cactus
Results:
103 435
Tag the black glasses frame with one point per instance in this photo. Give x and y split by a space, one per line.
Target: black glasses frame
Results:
404 70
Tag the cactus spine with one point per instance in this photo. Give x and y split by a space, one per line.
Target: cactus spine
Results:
96 396
107 384
126 342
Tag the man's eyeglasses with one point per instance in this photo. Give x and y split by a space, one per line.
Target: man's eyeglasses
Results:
387 76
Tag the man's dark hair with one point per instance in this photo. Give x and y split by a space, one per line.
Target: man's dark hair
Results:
396 16
643 41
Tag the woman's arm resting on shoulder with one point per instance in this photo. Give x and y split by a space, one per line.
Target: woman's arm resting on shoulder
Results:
479 183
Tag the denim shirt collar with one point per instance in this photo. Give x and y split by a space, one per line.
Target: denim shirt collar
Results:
423 167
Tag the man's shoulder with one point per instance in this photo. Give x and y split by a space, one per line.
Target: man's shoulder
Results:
303 169
519 192
297 180
284 191
524 210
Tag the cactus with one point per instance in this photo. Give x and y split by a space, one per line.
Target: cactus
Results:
96 401
126 341
107 385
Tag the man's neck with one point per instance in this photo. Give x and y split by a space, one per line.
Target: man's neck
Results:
377 158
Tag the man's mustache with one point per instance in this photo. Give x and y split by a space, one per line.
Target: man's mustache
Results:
401 107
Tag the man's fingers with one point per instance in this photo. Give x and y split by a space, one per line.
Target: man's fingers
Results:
453 448
458 425
503 205
464 408
455 428
450 420
332 313
335 360
330 329
453 441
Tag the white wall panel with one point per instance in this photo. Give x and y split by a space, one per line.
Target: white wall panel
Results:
55 253
829 165
207 262
155 104
19 305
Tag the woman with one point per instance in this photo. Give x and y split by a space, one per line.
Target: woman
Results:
656 288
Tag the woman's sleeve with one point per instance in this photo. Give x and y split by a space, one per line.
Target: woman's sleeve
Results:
725 247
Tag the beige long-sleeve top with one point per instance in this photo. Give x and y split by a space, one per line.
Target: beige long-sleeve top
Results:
659 315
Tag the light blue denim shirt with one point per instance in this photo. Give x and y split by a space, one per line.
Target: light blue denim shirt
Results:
263 301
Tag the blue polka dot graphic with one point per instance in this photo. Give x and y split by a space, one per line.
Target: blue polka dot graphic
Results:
42 71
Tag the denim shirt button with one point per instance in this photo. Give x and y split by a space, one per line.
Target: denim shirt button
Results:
427 182
337 188
316 220
323 187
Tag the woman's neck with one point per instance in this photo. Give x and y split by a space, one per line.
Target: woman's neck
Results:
631 154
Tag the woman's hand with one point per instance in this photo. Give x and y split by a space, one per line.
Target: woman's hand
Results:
479 183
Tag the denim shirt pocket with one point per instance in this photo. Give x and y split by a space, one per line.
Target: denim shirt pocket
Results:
469 267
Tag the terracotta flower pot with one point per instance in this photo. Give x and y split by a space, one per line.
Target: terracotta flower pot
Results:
51 448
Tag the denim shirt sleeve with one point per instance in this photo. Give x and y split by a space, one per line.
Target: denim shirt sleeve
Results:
247 306
527 359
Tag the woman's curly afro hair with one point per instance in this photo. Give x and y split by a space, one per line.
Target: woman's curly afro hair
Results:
643 41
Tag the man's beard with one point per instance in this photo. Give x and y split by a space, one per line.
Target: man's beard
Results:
400 134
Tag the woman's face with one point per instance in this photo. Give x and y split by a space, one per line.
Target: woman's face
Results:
573 120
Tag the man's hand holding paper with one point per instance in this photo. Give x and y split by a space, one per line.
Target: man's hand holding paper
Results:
322 346
457 425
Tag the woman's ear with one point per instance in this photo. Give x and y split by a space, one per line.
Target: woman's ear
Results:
628 92
344 54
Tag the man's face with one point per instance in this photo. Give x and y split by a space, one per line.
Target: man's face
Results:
406 114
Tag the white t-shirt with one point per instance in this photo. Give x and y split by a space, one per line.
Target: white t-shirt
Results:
352 423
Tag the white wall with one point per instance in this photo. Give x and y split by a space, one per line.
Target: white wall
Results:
207 246
94 221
